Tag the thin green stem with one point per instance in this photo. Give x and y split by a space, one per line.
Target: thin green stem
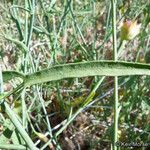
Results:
121 48
116 113
16 19
45 112
26 22
114 29
31 22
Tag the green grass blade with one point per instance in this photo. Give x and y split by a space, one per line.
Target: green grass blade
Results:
84 69
12 146
19 127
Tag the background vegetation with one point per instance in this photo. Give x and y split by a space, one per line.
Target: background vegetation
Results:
35 35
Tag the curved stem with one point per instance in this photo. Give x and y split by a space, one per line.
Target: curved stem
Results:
121 47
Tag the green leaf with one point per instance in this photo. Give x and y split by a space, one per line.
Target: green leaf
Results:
84 69
8 75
